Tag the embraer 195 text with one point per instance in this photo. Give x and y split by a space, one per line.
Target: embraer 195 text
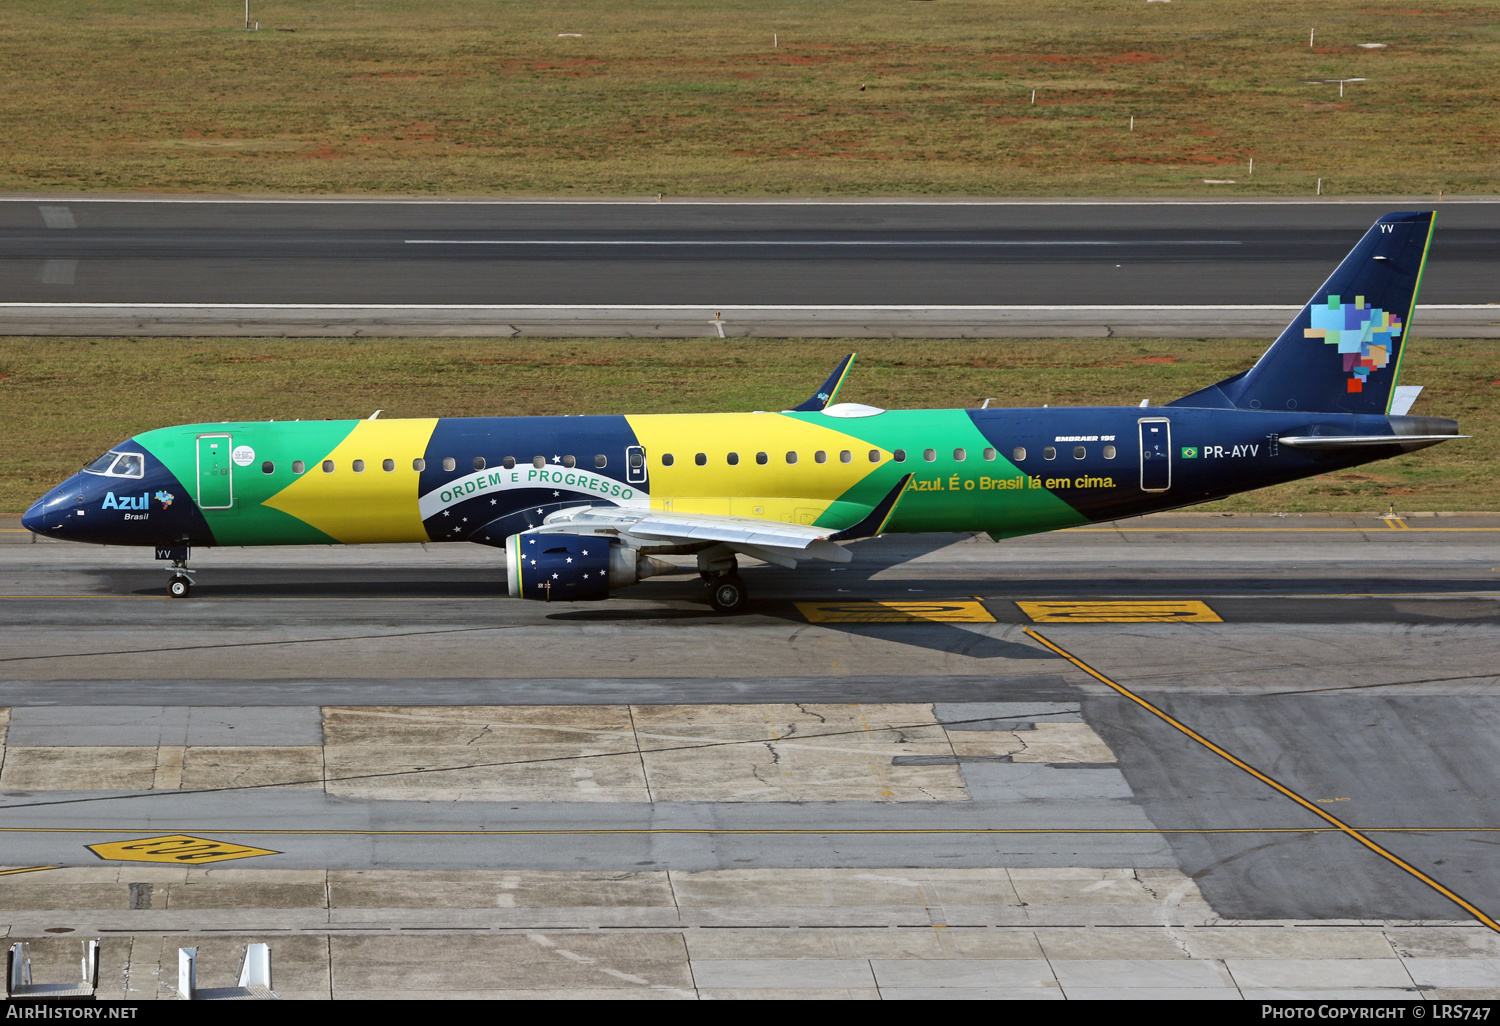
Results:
582 504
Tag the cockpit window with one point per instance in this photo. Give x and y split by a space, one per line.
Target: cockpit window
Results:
118 464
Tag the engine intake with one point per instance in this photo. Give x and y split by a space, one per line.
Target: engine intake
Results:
560 567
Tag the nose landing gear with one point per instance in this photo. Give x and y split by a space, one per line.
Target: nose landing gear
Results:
181 584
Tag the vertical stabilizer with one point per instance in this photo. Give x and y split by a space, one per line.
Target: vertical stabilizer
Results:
1342 353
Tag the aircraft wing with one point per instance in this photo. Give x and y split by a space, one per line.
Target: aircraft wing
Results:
769 540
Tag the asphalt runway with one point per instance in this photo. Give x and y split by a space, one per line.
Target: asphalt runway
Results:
706 253
1351 658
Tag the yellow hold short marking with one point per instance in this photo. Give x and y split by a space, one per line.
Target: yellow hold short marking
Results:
895 612
1119 612
179 849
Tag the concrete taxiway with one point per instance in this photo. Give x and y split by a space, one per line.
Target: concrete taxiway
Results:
884 780
227 266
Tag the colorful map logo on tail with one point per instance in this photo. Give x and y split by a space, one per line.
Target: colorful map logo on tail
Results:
1364 335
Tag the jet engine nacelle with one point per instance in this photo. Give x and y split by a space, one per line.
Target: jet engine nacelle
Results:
558 567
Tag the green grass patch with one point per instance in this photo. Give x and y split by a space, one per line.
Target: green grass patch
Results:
690 97
65 401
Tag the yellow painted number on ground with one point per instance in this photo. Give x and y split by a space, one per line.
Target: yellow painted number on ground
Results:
181 849
1119 612
895 612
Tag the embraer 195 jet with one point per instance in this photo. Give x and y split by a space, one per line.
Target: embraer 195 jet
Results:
583 504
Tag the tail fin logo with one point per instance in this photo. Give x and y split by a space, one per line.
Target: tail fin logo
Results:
1365 336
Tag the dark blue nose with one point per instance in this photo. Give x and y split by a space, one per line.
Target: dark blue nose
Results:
35 518
54 513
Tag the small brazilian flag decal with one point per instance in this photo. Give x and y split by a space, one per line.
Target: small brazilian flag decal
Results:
1189 452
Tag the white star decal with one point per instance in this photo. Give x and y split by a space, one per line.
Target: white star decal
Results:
556 494
554 577
539 509
492 502
585 552
445 512
570 559
557 459
466 520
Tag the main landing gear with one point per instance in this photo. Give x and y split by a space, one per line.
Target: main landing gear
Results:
726 593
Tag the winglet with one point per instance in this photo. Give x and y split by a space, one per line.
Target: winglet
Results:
825 395
873 524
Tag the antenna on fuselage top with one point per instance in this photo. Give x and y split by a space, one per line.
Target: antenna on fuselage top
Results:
376 415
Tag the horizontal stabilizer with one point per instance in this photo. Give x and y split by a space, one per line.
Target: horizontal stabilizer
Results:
1362 441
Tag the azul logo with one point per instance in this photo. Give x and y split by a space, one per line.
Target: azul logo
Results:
1366 336
142 501
165 498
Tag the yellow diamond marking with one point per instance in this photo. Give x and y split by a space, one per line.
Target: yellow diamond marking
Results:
182 849
1119 612
895 612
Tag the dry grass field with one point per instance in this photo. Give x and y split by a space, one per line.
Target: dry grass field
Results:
732 97
67 400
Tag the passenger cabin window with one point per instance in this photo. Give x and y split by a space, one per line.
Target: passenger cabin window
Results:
509 463
418 464
448 463
637 460
1018 453
1049 453
268 467
667 459
359 466
845 456
601 461
298 466
479 463
930 455
874 455
569 462
791 457
328 466
959 455
989 455
762 458
539 462
1079 452
900 455
1109 452
820 456
388 465
701 459
733 459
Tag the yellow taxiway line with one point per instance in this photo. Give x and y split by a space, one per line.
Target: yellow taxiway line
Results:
1338 824
753 831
